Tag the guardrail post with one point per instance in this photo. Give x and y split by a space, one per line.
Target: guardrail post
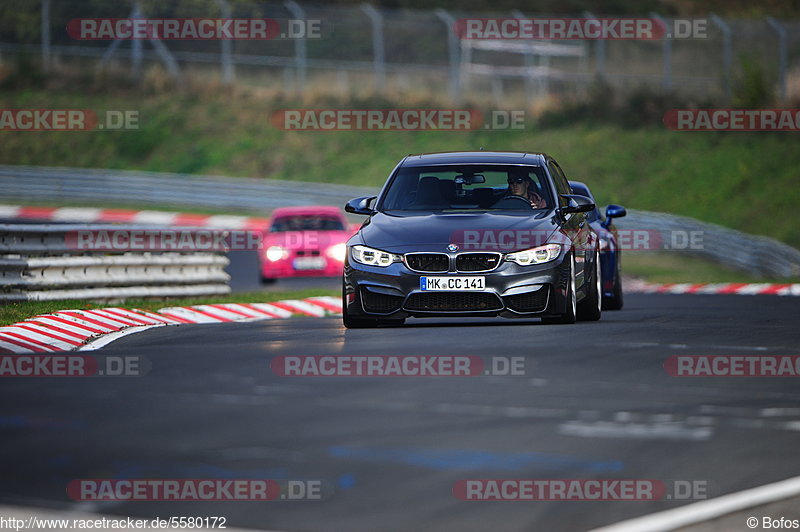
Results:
666 82
226 46
378 51
727 57
166 57
782 55
300 59
46 35
452 48
136 46
528 55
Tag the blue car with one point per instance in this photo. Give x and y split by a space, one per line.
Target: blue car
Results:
610 253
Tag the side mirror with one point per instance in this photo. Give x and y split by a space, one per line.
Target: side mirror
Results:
577 203
360 206
615 211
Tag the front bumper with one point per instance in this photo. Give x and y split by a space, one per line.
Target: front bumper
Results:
285 268
511 291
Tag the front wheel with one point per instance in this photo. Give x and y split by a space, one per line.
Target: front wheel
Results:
615 302
570 316
590 308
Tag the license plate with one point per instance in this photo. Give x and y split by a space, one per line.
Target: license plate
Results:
309 263
452 283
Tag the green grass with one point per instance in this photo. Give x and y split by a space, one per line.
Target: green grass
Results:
15 312
748 181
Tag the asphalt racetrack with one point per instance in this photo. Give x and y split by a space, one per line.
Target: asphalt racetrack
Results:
595 402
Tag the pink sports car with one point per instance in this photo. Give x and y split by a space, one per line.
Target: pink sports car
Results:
304 242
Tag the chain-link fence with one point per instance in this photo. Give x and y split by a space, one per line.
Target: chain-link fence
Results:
408 50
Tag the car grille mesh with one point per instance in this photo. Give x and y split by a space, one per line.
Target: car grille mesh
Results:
477 262
380 303
428 262
453 301
529 301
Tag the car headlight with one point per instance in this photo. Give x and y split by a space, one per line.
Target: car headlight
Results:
276 253
337 252
373 257
537 255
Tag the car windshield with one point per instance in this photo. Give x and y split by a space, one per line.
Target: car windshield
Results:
306 223
466 187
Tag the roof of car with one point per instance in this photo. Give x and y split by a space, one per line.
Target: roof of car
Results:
474 157
307 210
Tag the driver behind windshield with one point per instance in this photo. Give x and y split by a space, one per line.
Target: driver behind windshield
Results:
520 184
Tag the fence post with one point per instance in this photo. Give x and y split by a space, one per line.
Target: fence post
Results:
300 60
528 59
599 52
166 57
226 46
782 56
46 35
453 49
136 46
727 58
378 52
666 82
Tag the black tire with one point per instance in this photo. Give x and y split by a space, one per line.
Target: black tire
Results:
590 309
268 280
570 316
616 301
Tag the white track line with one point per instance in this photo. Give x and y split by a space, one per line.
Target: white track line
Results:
106 339
702 511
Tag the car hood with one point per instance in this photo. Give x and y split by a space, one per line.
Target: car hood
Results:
496 231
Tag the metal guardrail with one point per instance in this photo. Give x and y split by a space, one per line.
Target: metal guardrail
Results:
242 194
758 255
38 263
